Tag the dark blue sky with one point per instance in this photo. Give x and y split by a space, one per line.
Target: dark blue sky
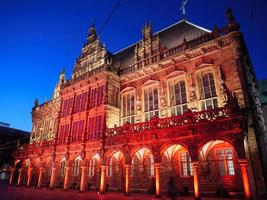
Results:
38 38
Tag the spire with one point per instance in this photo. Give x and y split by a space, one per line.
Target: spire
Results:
61 81
92 33
147 31
230 16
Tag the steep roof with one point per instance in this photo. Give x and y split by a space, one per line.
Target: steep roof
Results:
170 36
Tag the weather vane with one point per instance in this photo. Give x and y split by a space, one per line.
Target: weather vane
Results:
184 2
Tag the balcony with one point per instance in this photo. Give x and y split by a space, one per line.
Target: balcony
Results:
189 118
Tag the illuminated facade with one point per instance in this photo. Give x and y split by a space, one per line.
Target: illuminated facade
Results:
170 105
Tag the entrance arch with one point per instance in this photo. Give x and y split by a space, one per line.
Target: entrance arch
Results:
219 168
93 172
142 174
115 171
177 164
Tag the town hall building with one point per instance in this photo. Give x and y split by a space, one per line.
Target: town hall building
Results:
182 104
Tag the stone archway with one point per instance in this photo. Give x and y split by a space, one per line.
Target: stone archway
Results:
219 168
115 172
142 172
177 165
93 172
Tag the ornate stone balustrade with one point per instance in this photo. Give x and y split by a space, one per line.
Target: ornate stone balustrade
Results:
189 118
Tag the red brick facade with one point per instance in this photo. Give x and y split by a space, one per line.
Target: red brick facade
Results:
171 105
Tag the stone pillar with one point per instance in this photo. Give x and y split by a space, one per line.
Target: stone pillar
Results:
11 176
243 165
20 174
102 179
40 178
52 178
29 179
66 179
127 179
83 179
196 181
157 179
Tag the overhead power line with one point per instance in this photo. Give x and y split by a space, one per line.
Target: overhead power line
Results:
109 16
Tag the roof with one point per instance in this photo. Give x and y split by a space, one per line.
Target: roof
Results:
170 36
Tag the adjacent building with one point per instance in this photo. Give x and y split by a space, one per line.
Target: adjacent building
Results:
181 103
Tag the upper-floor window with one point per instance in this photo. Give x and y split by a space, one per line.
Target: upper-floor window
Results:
225 162
186 164
177 97
128 107
151 102
207 91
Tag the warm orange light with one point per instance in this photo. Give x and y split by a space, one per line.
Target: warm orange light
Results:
83 177
196 184
11 176
66 180
29 173
102 179
127 178
245 180
52 180
157 174
40 178
19 178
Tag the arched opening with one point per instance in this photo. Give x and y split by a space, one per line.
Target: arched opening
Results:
219 168
177 164
115 172
35 172
47 172
93 172
76 173
24 174
17 166
142 171
61 170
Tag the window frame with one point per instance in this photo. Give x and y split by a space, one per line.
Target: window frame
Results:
225 161
145 87
174 80
123 94
189 165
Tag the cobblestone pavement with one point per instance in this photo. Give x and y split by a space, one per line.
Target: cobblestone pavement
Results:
23 193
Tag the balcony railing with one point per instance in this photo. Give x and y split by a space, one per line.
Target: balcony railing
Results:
188 118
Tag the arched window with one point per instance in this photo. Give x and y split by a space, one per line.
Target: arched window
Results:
225 162
76 167
207 91
62 167
128 107
151 102
151 165
177 97
186 164
109 171
132 167
91 171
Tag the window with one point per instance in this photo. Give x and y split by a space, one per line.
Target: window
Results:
110 165
76 167
113 96
128 107
91 171
95 127
225 162
62 168
207 91
177 96
186 165
151 102
151 165
132 167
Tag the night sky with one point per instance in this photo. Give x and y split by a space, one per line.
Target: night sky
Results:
39 38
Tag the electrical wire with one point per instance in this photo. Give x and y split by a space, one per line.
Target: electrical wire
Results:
109 16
